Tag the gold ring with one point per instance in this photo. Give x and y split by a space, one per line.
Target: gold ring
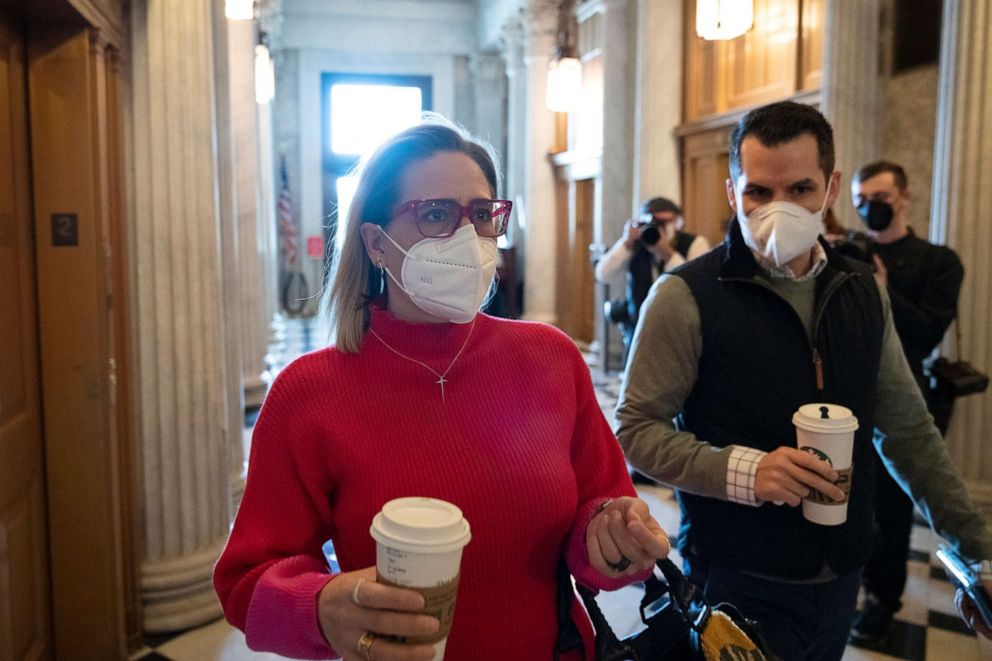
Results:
365 643
354 592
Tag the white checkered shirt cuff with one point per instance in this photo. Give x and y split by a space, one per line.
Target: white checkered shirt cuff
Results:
741 467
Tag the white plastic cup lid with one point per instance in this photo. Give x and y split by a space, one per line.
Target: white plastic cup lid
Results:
429 524
829 418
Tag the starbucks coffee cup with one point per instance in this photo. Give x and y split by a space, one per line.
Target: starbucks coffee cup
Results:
419 545
827 432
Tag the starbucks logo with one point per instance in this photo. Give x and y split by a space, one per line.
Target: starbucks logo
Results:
819 454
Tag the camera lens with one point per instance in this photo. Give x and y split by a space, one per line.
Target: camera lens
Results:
650 236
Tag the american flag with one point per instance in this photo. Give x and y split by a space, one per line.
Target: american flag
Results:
287 221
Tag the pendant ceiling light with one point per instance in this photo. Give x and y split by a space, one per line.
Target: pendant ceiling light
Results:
723 19
565 70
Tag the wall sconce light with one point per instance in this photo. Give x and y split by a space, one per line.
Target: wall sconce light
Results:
723 19
565 69
239 10
265 73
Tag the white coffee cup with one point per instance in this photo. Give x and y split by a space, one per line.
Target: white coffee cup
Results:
419 544
827 432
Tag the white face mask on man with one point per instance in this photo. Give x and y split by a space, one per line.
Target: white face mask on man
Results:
448 277
780 231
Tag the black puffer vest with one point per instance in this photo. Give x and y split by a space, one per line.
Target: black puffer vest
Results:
640 275
758 366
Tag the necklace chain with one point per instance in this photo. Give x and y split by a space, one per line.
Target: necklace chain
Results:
440 375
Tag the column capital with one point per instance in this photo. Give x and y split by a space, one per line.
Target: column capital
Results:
486 66
270 20
511 36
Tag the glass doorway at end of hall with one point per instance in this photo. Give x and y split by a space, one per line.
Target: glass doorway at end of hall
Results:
358 113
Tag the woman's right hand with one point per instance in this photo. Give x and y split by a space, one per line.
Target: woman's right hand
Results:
353 604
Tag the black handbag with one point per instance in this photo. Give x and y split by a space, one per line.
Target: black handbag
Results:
676 620
950 379
957 378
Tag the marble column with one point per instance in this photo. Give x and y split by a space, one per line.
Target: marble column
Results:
540 263
270 20
962 166
254 331
512 53
268 172
618 171
231 262
619 82
658 104
511 50
179 311
489 89
851 95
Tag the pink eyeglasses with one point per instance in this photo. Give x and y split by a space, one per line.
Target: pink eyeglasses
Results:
440 218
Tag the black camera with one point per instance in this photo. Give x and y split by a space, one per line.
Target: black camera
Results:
856 245
617 310
651 234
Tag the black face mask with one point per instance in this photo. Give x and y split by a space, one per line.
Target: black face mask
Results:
650 235
877 215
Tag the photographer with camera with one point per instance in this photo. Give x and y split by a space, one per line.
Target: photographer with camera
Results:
923 281
652 244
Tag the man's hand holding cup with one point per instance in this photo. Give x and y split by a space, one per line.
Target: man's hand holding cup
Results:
786 475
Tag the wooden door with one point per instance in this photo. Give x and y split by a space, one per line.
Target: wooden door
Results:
24 569
761 64
582 280
704 171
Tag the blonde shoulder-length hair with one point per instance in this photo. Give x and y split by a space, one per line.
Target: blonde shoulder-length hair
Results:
354 280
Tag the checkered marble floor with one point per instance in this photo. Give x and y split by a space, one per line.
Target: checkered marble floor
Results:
926 629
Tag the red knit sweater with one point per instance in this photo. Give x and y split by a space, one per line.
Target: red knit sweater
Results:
519 444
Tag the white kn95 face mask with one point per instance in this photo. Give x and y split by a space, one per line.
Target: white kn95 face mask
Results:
448 277
780 231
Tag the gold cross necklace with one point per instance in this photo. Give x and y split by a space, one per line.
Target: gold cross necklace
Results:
441 380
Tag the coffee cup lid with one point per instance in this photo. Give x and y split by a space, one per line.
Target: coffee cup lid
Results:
825 417
421 524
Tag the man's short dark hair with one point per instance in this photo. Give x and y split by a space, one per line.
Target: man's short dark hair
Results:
660 205
879 167
782 122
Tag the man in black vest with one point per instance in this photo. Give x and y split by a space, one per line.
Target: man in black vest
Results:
923 282
729 346
650 245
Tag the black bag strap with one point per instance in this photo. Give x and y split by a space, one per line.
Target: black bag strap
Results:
681 593
684 595
608 646
568 633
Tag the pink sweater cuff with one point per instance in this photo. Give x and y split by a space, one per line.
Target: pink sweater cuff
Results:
282 616
577 555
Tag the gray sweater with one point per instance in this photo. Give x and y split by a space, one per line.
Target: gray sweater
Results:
662 369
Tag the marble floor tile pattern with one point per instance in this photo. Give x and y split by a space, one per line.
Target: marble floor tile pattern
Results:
927 628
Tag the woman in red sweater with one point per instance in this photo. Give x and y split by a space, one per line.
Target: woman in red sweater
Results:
422 395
